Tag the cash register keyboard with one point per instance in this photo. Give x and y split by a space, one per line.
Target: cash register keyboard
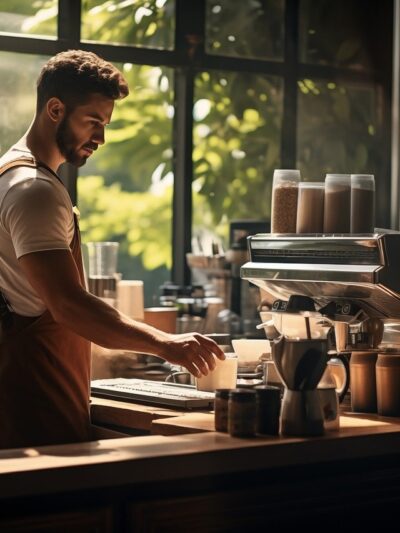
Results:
153 392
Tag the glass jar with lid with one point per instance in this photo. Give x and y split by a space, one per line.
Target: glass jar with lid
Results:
362 203
310 207
285 188
337 203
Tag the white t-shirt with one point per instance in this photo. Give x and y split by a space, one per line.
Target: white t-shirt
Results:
36 214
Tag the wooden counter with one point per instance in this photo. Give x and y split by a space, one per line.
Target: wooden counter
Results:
204 480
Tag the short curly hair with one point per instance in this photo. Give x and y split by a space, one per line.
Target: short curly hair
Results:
73 75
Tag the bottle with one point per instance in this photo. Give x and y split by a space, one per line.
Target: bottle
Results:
285 188
221 409
242 413
363 382
388 384
337 203
362 203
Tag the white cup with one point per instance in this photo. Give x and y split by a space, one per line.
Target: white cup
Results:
223 376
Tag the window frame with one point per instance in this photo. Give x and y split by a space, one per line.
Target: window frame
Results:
189 58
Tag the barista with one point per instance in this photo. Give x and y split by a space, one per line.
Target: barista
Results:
48 318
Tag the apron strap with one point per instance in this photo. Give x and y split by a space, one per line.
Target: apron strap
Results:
20 162
30 162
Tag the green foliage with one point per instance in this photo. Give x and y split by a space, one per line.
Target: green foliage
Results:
139 219
141 23
30 17
237 137
139 137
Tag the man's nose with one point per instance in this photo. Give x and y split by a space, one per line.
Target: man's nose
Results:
98 136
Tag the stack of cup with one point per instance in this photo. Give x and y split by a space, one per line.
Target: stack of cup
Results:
103 277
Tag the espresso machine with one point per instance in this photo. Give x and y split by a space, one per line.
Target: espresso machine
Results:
326 293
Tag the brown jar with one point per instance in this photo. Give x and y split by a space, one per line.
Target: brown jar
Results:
242 413
388 384
221 409
363 382
285 188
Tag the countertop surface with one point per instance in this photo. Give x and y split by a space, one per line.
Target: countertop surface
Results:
187 448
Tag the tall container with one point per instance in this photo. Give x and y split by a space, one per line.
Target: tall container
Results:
337 203
362 203
310 207
388 384
363 382
285 188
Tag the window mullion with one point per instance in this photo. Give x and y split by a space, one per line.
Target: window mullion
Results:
289 122
189 44
69 31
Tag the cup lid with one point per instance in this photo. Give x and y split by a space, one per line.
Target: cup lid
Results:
287 174
363 181
311 185
339 178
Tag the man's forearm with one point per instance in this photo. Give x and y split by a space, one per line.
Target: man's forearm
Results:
93 319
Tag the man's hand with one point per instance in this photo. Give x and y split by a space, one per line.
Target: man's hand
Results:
193 351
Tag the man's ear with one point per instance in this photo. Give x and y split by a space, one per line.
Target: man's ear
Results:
55 109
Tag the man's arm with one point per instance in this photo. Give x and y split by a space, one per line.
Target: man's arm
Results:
54 276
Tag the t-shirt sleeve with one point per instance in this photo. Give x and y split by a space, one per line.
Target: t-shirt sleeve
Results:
36 217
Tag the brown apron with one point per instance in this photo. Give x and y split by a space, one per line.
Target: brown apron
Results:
44 372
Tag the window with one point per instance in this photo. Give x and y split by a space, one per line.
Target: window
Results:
348 118
17 94
237 131
29 17
146 23
245 29
222 92
125 189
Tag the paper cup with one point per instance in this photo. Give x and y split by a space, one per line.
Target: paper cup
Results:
223 376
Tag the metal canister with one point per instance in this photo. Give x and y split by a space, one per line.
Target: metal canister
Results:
242 413
363 382
268 409
388 384
221 409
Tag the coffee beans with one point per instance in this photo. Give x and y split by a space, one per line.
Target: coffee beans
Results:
284 210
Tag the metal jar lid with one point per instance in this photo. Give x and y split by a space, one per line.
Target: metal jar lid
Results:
242 395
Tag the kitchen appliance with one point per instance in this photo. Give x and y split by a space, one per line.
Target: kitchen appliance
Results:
340 288
301 364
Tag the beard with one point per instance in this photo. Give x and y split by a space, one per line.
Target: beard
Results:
68 144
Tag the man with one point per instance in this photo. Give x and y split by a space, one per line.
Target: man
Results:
48 318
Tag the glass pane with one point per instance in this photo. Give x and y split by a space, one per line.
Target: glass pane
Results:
28 17
237 136
125 189
146 23
339 129
336 33
245 29
18 73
